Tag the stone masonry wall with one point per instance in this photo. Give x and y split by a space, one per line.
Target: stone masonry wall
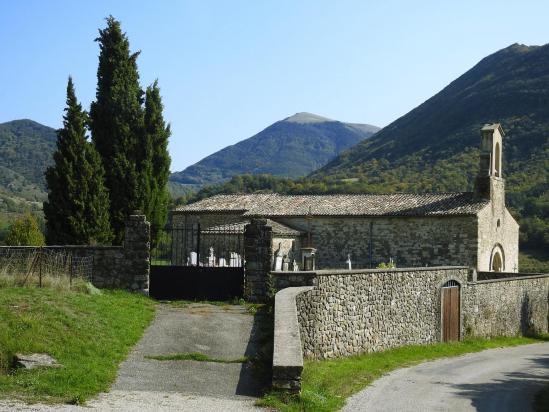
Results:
506 306
118 267
351 312
258 249
410 241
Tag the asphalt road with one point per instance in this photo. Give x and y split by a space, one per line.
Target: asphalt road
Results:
496 380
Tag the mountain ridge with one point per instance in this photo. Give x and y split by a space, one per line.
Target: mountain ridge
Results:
291 147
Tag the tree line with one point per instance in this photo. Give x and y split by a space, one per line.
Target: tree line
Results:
93 185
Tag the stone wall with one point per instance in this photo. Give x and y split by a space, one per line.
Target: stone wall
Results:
258 250
410 241
287 351
506 307
497 228
352 312
118 267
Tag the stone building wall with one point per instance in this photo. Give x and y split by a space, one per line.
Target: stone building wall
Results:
497 229
410 241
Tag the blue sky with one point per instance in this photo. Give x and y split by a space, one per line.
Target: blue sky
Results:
228 69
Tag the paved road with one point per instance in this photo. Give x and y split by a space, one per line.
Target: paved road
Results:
224 332
496 380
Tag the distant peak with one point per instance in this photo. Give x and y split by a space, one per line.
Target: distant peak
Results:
304 117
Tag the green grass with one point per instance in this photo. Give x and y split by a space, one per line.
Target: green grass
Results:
195 356
326 384
89 335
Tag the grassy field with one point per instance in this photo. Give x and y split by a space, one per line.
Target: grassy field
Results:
326 384
88 334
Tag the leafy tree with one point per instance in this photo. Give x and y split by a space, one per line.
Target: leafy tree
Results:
117 124
156 168
77 209
25 232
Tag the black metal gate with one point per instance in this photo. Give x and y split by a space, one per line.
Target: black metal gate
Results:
188 262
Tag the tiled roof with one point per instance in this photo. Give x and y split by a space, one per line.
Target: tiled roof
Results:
401 204
278 228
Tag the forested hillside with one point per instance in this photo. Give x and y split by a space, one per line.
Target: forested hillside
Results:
26 149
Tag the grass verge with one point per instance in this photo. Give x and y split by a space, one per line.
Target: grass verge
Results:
195 356
88 334
326 384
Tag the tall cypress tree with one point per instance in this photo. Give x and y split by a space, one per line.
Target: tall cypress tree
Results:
77 209
156 168
117 124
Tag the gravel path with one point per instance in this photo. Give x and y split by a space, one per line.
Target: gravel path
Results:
224 332
496 380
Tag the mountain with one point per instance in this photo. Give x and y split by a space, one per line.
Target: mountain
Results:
26 149
291 147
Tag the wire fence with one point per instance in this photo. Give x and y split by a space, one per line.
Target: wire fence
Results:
43 267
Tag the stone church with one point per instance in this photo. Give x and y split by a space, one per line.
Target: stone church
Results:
472 229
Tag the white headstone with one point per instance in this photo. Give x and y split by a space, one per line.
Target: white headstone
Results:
222 262
211 257
193 258
278 263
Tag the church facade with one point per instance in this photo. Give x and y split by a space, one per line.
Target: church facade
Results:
472 229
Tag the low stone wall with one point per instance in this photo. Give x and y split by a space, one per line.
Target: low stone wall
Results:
352 312
506 306
287 351
117 267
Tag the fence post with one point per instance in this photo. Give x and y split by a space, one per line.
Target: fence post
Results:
40 267
70 271
198 245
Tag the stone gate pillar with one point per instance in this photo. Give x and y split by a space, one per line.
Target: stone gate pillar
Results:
258 249
137 253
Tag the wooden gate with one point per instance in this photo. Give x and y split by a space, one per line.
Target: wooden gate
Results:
450 311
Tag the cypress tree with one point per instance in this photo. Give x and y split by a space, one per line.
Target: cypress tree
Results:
117 124
77 209
156 168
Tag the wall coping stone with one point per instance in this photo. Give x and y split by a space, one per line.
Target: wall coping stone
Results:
287 349
329 272
537 276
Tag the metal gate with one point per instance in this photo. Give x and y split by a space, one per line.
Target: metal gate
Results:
188 262
450 311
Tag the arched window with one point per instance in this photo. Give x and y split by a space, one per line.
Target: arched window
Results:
497 259
498 160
